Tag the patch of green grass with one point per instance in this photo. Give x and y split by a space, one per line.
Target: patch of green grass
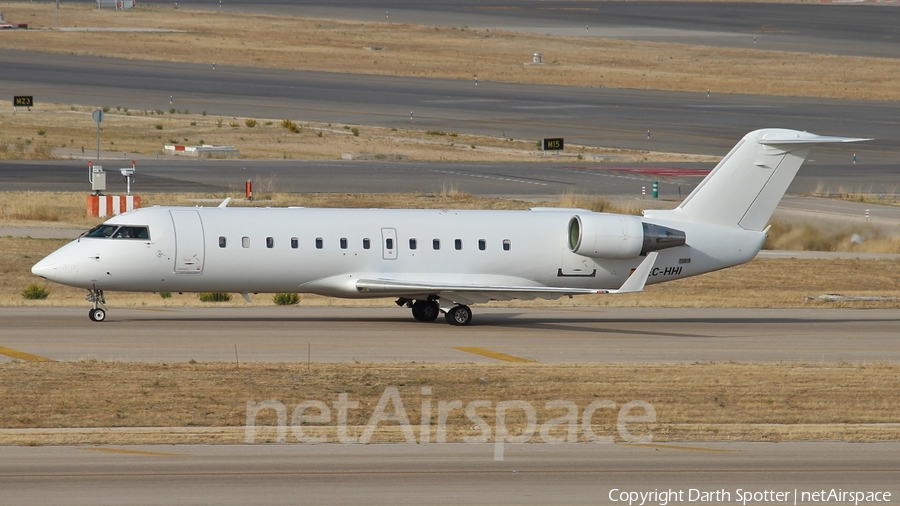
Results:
286 299
215 297
35 291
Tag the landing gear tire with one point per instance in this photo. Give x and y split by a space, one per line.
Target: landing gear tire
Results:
425 310
97 314
459 315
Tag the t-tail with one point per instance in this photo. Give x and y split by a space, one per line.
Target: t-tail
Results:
744 188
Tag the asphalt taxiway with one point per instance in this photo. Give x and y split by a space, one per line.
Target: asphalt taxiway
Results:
390 334
342 474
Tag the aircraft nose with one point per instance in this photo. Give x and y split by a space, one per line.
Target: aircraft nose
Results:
45 269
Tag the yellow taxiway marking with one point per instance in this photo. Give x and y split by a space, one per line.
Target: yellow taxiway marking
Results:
134 452
492 354
21 355
676 447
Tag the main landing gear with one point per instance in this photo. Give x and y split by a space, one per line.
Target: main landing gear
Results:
428 310
425 310
97 313
459 315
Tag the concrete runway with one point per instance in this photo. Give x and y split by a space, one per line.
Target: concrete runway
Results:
526 180
678 121
438 474
389 334
865 30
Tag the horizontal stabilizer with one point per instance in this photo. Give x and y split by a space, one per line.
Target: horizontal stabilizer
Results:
809 139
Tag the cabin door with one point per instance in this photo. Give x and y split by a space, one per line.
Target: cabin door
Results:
188 242
389 243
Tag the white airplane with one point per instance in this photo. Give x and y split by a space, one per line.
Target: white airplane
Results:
438 260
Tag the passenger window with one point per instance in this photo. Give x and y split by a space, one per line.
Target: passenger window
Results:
270 242
389 243
319 243
436 244
295 243
222 242
506 245
458 244
482 244
367 243
412 244
245 242
343 243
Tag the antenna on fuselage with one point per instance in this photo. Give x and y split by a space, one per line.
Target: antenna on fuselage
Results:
225 202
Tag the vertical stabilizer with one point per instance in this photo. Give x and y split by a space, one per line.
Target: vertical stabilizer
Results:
748 183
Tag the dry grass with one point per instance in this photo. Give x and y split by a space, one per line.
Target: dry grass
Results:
807 237
67 209
693 402
867 196
776 283
127 132
450 52
762 283
24 149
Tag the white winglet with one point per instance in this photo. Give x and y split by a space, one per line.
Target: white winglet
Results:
638 278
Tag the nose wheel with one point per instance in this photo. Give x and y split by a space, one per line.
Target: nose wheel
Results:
98 312
97 315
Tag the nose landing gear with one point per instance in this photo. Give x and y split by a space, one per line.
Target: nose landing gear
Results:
97 313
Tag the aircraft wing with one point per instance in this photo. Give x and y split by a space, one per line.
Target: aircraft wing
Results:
474 293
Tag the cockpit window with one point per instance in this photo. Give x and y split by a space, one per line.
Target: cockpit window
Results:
129 232
119 232
102 231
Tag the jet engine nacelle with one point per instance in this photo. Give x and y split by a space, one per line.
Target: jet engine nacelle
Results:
618 236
